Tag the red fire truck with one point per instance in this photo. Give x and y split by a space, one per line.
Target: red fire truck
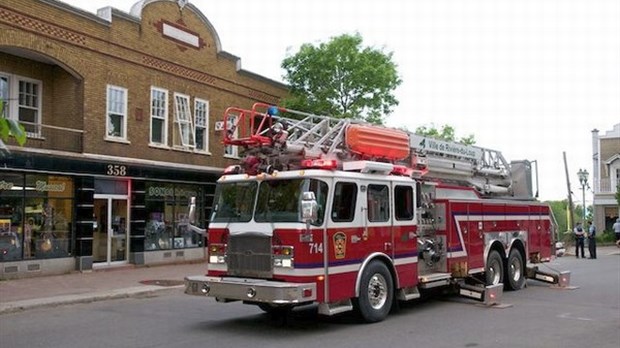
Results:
352 216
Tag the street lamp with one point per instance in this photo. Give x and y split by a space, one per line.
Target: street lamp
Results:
583 180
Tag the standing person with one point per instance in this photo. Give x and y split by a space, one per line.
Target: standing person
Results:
592 240
616 229
579 240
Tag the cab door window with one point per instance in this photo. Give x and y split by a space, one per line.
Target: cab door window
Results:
403 203
343 207
378 203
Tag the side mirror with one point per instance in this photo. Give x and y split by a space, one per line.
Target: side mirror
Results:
309 207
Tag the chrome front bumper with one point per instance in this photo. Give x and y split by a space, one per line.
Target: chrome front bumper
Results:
254 290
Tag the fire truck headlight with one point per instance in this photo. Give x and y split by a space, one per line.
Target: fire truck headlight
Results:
217 259
283 262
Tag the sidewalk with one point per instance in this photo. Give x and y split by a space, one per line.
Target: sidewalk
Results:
130 281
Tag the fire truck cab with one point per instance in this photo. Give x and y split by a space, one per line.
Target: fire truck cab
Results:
354 228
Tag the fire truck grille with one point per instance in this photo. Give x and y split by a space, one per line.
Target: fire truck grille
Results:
249 255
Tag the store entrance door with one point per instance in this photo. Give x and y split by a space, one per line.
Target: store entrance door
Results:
110 235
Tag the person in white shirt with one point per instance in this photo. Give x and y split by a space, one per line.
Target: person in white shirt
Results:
592 240
616 228
579 240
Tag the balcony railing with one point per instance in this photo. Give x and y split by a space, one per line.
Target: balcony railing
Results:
47 137
604 186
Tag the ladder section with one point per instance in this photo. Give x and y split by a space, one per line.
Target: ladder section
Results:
268 139
484 169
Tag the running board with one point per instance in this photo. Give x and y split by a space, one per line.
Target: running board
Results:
561 279
433 280
335 308
489 295
407 294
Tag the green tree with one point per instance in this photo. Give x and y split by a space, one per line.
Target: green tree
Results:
341 78
9 128
560 212
445 133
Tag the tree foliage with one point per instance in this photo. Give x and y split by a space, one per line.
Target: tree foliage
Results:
341 78
446 133
10 128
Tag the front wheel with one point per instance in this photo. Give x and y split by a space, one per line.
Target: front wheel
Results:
494 269
515 270
376 292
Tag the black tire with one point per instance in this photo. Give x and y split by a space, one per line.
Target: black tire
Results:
515 272
376 293
494 270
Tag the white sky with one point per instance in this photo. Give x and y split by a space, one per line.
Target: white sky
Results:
530 78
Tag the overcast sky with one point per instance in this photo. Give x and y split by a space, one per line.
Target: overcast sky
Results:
530 78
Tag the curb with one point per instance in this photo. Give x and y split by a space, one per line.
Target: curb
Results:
133 292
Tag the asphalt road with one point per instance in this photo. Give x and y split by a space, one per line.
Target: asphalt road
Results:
537 316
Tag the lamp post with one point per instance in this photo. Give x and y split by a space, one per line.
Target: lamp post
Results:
583 180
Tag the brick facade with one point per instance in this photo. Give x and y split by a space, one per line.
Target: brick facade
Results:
84 53
73 56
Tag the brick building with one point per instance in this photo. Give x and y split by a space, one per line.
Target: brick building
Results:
120 110
606 175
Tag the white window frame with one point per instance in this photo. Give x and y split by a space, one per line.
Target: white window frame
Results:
614 175
164 118
232 151
122 113
13 105
204 126
6 97
183 122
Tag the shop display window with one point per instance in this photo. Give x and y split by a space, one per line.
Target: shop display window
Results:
167 225
35 216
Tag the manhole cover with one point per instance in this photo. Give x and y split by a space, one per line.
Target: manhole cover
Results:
162 282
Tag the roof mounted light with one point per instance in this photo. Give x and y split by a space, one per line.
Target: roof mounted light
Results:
320 163
402 170
236 169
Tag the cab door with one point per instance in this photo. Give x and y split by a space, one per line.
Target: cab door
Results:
404 233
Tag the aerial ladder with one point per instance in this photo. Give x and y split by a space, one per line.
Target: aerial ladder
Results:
271 141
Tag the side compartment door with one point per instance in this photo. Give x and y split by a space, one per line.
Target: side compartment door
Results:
475 236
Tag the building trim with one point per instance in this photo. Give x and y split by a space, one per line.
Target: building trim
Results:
147 61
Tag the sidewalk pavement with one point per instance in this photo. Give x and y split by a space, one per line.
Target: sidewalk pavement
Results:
127 281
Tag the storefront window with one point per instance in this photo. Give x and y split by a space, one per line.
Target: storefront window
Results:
35 216
11 217
167 225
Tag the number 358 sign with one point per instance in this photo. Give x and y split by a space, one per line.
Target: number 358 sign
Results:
115 170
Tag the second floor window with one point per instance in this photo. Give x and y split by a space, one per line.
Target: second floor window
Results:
22 101
183 122
116 126
159 116
201 120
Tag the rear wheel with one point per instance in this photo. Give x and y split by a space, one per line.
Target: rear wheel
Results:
515 270
494 269
376 292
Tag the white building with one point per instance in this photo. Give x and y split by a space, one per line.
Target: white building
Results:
606 176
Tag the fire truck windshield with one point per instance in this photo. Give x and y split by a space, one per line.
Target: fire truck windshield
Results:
276 200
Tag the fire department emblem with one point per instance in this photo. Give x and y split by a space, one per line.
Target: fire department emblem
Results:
340 245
